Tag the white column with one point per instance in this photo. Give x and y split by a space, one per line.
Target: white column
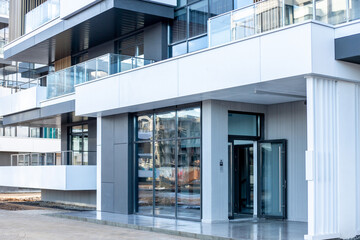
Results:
347 159
98 163
331 158
214 151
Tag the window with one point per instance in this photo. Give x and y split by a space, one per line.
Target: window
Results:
244 124
168 158
79 145
190 23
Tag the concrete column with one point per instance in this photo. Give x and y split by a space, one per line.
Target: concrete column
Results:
98 163
331 158
214 151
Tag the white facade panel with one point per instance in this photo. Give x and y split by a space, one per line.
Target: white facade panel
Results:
286 53
69 8
27 145
22 101
49 177
172 3
288 121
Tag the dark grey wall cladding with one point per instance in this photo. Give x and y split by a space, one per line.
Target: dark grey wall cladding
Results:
155 42
45 112
347 48
145 7
116 164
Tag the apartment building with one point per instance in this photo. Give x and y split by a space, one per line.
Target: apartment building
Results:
204 110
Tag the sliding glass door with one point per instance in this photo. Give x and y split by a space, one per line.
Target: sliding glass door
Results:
272 178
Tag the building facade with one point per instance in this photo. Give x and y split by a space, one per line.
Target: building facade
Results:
204 110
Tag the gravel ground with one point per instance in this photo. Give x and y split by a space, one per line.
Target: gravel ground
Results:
32 224
22 217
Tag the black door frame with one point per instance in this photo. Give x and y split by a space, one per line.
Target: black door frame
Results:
259 176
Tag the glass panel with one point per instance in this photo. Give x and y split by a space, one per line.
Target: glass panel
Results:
189 124
42 14
90 70
76 129
165 125
220 6
243 24
220 31
354 9
103 66
178 26
272 179
145 127
22 131
145 178
80 73
179 49
76 146
242 3
243 124
188 172
85 150
268 15
198 44
165 178
298 11
331 11
198 16
126 63
243 176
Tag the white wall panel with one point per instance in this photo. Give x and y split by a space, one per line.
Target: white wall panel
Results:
15 144
49 177
22 101
288 121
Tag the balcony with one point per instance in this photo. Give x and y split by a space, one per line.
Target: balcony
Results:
42 14
67 170
268 15
64 81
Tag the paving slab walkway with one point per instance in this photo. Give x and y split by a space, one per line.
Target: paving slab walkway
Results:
251 229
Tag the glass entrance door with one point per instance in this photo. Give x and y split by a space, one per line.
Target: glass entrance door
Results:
241 178
272 178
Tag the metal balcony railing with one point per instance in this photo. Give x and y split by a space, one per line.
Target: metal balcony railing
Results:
54 158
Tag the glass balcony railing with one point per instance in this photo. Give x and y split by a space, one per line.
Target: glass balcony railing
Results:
272 14
64 81
4 8
42 14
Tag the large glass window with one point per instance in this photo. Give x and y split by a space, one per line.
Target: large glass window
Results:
198 15
169 180
189 25
220 6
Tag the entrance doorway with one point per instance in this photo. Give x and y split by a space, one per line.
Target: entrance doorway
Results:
241 179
